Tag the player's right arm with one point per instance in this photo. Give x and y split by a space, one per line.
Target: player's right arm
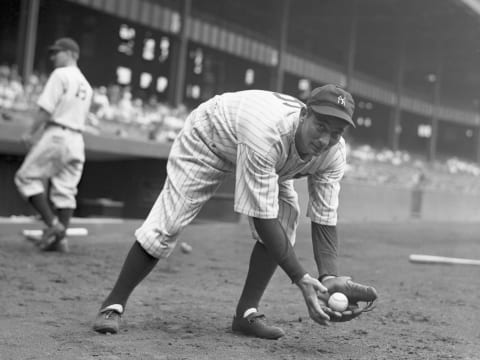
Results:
256 195
281 250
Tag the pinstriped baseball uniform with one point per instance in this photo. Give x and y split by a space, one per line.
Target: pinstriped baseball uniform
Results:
252 134
59 154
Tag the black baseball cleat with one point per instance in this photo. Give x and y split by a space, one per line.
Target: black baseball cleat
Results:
61 247
52 236
255 325
108 319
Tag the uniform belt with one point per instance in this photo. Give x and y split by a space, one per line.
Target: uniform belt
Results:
52 123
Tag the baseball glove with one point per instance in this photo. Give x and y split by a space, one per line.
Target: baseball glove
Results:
355 293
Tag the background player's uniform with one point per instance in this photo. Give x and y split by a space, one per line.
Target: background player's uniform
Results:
59 154
252 134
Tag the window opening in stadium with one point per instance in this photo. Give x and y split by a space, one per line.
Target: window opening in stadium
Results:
127 39
162 83
193 91
145 80
164 46
148 49
249 76
424 131
197 61
304 85
124 75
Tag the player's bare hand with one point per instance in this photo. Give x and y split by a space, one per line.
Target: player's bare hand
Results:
334 315
311 290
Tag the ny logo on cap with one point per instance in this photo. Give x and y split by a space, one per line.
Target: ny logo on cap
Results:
341 100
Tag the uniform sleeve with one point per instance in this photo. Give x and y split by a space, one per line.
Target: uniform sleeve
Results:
51 93
324 190
256 185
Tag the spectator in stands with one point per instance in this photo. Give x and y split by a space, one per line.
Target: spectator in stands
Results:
100 103
7 92
114 94
15 81
124 111
169 125
152 111
138 113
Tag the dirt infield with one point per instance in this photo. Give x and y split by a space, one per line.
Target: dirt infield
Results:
184 308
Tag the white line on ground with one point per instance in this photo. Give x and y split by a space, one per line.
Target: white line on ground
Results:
32 220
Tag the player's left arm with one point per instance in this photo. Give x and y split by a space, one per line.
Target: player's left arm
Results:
47 101
41 118
325 249
324 190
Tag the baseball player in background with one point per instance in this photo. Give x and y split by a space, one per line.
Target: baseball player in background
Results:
55 161
267 140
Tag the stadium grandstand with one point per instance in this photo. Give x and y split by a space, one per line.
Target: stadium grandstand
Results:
411 66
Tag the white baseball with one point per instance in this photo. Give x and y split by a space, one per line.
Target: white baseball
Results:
186 249
338 302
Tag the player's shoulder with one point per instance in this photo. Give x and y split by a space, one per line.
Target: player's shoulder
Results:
56 73
71 74
338 153
66 71
275 99
60 73
63 70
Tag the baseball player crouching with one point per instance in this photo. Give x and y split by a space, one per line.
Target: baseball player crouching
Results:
267 140
58 155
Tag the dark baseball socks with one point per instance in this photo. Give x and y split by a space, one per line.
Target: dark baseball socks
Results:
136 267
40 203
139 264
64 216
261 269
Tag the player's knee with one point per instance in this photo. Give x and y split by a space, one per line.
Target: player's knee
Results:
64 201
22 184
155 242
18 179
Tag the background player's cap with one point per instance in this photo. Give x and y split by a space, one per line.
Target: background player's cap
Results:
333 101
64 44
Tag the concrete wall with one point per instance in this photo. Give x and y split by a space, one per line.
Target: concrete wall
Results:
446 206
11 203
136 183
364 202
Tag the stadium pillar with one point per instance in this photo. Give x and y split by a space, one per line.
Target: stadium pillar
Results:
432 145
395 120
477 130
179 63
27 36
282 46
477 155
352 46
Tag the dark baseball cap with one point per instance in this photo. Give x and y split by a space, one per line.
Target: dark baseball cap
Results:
64 44
332 100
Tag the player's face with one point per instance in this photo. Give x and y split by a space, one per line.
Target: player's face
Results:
59 58
317 133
